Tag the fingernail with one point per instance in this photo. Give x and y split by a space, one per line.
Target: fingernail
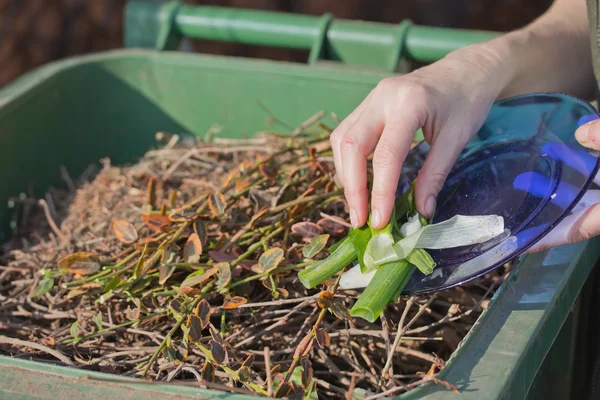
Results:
582 134
429 206
376 218
353 218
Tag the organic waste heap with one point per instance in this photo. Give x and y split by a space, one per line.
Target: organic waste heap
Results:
184 268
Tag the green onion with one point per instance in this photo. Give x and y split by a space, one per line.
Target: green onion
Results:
388 280
322 270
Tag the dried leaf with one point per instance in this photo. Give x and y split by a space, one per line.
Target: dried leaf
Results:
151 192
307 373
156 222
244 373
125 231
188 291
82 263
175 305
332 227
203 312
195 325
340 310
173 199
303 346
44 286
232 174
169 256
200 230
163 208
192 249
241 185
249 360
223 274
270 259
307 230
283 390
217 204
323 339
283 292
198 277
220 257
208 372
182 215
325 299
258 215
152 243
217 351
132 314
315 246
268 171
234 302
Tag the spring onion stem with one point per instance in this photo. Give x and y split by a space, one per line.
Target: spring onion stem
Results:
389 279
322 270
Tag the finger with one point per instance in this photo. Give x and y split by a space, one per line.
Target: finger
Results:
355 147
442 156
581 225
588 135
388 157
340 131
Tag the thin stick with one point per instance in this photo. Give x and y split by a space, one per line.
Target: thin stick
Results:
268 369
399 334
37 346
51 222
298 131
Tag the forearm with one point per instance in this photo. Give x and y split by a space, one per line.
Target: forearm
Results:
550 54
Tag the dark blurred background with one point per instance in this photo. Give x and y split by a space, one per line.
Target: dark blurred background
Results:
33 32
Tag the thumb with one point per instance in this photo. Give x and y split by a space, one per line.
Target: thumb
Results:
588 134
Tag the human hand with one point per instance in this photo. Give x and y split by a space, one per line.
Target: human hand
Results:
584 222
449 100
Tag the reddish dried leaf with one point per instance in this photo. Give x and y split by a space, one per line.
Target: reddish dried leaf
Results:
203 312
232 174
332 227
153 243
192 249
132 314
241 185
217 351
208 372
284 390
156 222
234 302
315 246
195 325
270 259
268 171
182 215
249 360
151 192
125 231
302 346
219 257
82 263
330 187
307 230
223 274
283 292
307 373
323 339
198 279
325 300
312 153
258 215
200 230
217 204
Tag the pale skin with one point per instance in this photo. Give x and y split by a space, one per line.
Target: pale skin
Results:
450 100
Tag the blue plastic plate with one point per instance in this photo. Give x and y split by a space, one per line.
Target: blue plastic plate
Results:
523 164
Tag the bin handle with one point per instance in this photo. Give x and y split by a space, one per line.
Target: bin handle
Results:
162 25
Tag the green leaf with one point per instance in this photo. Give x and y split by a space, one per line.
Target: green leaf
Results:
74 330
98 320
315 246
270 259
43 287
422 260
114 282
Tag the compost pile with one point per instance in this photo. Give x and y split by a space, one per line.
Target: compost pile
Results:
183 268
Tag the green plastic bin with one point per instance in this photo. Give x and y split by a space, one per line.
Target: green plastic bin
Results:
75 111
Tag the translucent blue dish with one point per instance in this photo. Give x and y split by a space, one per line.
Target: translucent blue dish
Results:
523 164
